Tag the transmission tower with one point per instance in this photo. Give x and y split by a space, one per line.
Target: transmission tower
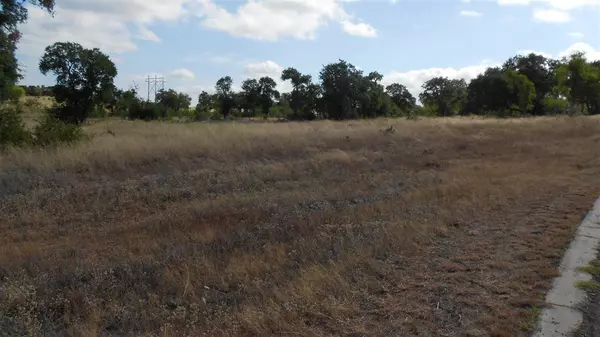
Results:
155 85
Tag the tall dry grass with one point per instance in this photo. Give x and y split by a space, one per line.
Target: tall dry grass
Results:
366 228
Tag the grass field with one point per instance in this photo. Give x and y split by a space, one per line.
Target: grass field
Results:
447 227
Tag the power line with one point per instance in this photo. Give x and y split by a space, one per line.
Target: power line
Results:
155 85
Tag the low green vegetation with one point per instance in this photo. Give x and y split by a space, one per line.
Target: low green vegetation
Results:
588 285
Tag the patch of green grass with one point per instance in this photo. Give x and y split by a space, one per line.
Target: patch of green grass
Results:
530 318
587 285
592 270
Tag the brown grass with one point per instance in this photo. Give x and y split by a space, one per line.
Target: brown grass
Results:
442 228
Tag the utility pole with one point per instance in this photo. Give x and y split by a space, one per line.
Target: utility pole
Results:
155 85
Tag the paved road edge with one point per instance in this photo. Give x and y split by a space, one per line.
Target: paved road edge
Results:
562 315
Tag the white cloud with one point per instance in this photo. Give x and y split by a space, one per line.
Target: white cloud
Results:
576 35
267 68
470 13
146 34
564 5
274 19
590 52
552 11
551 15
104 24
182 74
414 79
359 29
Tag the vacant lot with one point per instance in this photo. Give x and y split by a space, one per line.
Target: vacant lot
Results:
431 228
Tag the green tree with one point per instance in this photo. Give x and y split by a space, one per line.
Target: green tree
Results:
305 95
488 93
341 87
13 13
579 81
173 101
522 90
268 94
445 95
206 103
540 71
400 95
84 79
251 95
15 93
500 93
225 95
122 101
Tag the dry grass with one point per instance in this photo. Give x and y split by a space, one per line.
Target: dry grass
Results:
442 228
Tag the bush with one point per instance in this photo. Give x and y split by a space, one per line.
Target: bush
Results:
32 105
145 111
556 106
51 131
12 129
15 93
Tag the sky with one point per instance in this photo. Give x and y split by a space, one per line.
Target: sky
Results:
192 43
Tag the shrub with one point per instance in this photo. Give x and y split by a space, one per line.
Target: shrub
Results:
32 105
555 106
145 111
15 93
51 131
12 129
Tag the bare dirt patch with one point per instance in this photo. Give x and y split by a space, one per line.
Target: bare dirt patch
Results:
442 228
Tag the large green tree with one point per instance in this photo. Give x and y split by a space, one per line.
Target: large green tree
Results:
446 96
84 79
400 95
305 95
579 81
206 102
225 95
268 94
500 93
171 100
250 97
540 71
341 85
13 13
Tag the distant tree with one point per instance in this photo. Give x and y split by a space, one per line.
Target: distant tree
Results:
206 103
84 79
522 90
121 101
579 81
268 94
401 97
540 71
250 97
173 101
305 95
13 13
446 95
225 95
341 89
373 101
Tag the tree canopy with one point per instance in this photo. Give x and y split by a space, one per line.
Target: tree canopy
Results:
13 13
84 79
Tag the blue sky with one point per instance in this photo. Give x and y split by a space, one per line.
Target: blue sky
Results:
194 42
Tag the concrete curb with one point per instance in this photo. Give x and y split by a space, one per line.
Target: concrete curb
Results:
562 315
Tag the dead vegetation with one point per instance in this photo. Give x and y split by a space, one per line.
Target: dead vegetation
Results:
366 228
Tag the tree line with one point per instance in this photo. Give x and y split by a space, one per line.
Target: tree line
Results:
524 85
